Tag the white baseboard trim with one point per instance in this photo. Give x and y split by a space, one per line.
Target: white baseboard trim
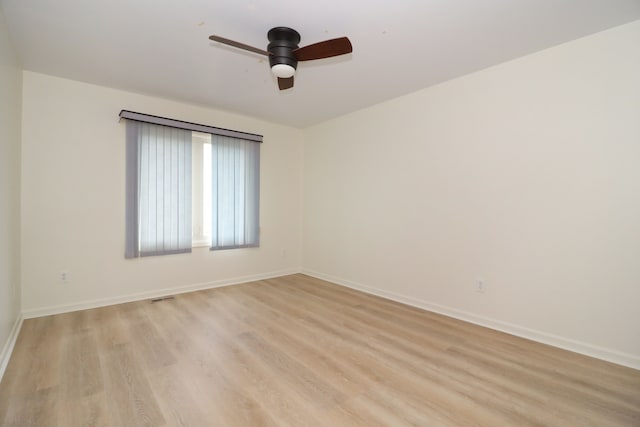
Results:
156 293
590 350
7 350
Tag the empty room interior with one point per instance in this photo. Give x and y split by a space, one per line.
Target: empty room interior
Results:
280 213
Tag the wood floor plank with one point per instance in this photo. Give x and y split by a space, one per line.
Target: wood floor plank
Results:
34 409
298 351
130 398
298 343
85 411
80 371
110 327
224 369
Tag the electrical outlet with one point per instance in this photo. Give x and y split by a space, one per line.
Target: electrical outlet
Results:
64 277
481 286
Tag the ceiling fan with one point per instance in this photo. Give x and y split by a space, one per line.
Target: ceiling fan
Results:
284 53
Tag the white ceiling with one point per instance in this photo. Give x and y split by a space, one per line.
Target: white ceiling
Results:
161 47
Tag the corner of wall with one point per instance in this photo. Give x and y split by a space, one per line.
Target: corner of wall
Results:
7 350
10 194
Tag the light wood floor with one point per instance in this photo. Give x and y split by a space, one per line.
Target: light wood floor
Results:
297 351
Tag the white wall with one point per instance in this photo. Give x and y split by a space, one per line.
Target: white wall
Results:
73 193
10 106
525 175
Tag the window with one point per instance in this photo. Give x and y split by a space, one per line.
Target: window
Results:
188 188
201 189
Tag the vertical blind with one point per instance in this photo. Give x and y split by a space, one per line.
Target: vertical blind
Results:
235 193
159 182
159 186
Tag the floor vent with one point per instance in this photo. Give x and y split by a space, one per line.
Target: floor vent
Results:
162 299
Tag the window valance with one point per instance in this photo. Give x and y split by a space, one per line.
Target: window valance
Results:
164 121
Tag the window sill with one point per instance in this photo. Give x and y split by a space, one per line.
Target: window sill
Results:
200 244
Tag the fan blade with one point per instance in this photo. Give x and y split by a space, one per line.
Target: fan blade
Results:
325 49
238 45
284 84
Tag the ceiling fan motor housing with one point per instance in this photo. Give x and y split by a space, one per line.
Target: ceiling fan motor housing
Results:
282 42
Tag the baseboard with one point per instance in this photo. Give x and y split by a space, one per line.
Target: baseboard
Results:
7 350
84 305
590 350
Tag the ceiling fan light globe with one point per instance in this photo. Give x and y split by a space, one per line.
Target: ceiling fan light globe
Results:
283 71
